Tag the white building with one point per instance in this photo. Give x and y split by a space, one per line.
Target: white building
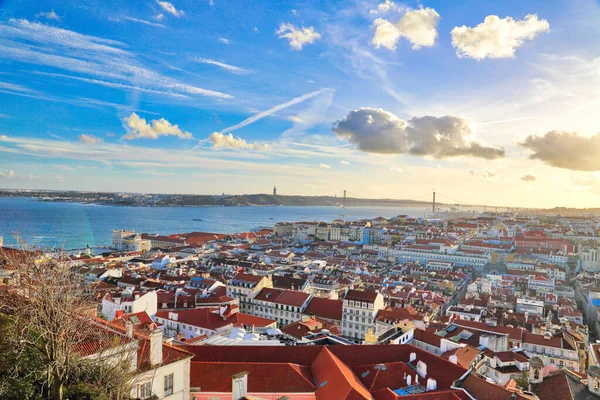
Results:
124 240
540 283
359 311
589 259
412 255
129 302
480 285
160 371
532 307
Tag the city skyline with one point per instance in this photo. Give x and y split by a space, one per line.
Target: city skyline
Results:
487 103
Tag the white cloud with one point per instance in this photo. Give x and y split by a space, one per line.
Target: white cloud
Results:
114 85
39 44
140 129
396 170
170 8
344 162
223 40
297 37
159 17
49 15
15 87
384 7
90 139
227 67
8 175
143 21
496 37
221 141
324 166
419 27
230 164
378 131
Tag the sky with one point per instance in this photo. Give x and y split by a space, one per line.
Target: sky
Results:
485 102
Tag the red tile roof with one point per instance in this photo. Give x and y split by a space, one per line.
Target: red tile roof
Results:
247 278
464 355
481 389
335 380
209 318
392 375
263 377
325 308
427 337
368 296
299 329
292 298
515 334
555 386
442 370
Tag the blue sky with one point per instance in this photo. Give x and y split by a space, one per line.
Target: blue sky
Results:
385 99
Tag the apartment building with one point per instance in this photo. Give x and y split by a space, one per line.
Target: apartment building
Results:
284 306
245 287
359 311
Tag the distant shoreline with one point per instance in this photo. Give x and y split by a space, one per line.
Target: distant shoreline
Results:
160 200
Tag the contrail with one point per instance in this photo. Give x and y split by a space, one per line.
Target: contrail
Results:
273 110
505 120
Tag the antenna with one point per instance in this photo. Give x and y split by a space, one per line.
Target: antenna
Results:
433 205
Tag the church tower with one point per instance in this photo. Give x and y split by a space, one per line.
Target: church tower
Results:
536 370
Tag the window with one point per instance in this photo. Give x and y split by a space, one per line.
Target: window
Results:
168 384
145 390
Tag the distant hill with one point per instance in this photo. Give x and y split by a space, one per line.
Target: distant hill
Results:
179 200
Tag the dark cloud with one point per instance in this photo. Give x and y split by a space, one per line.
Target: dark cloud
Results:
567 150
528 178
378 131
483 173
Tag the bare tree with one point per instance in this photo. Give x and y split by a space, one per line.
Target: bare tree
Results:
52 316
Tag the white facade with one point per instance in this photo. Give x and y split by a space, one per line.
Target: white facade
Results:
589 259
410 255
359 316
159 380
124 240
532 307
147 302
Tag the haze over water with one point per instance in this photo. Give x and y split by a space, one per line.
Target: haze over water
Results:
75 225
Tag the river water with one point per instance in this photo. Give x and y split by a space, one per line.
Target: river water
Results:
75 225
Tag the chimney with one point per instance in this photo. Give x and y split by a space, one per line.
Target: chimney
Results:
156 347
422 369
239 385
129 328
453 359
431 384
413 357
